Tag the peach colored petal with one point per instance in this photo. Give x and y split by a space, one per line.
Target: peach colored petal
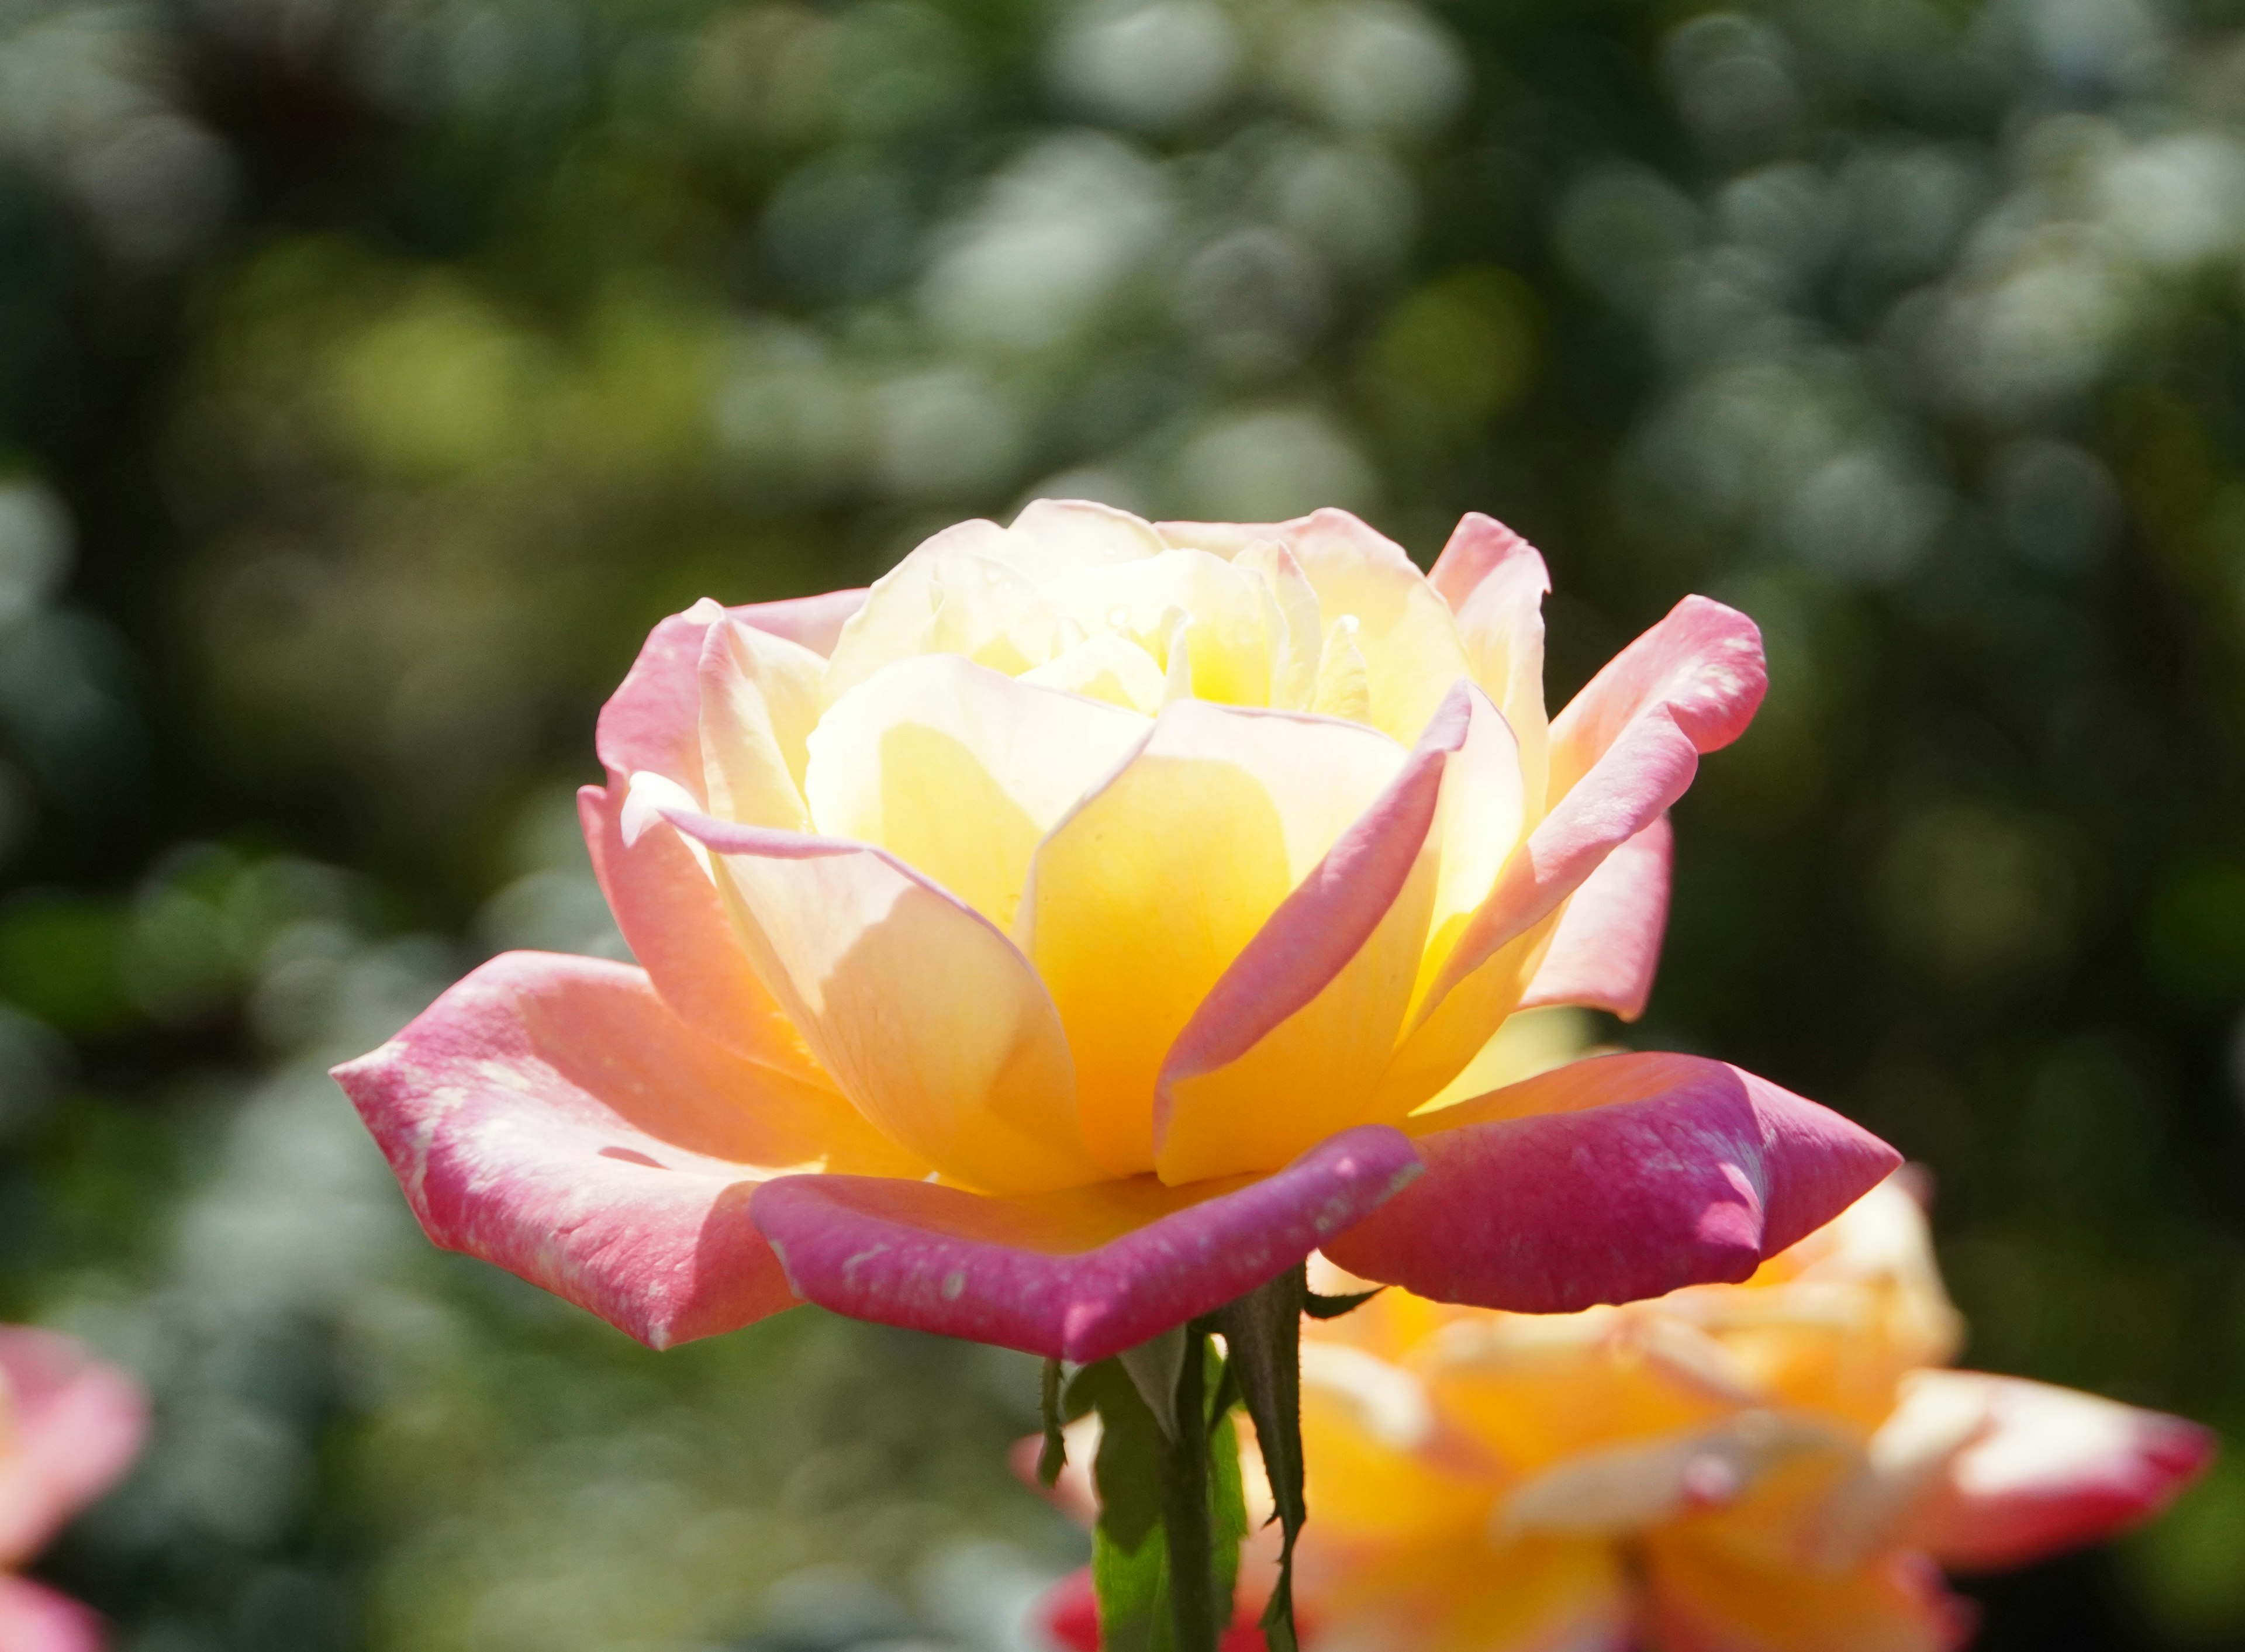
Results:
549 1115
926 1015
1606 949
1078 1275
1310 1009
1141 898
1610 1180
73 1425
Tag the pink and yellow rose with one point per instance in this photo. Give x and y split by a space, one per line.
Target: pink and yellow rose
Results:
1065 936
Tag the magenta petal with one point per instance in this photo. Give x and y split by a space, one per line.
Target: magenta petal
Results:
1609 1181
1077 1274
36 1619
1607 947
73 1426
550 1116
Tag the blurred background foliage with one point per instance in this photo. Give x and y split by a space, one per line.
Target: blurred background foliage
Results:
373 372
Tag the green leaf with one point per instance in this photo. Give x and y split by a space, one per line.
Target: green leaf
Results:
1164 1498
1133 1589
1264 1332
1128 1470
1054 1457
1318 1307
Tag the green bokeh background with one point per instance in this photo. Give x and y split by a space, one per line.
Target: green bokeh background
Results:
374 373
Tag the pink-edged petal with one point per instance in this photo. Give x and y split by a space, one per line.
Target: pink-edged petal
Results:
674 919
663 900
1702 664
72 1427
1144 894
652 721
1078 1275
815 622
550 1116
1607 947
1311 1007
1611 1180
1495 582
929 1018
2050 1469
36 1619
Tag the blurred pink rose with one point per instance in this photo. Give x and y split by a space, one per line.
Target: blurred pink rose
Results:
69 1426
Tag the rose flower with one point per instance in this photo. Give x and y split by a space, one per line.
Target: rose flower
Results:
1063 938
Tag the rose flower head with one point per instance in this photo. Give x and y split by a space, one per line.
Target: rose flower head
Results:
1066 936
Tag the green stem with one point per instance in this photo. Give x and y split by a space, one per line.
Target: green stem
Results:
1185 1507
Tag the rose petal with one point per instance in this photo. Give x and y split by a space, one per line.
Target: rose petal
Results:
663 902
34 1619
1310 1009
1607 946
1078 1275
550 1116
1611 1180
816 622
1413 653
928 1017
674 919
1703 662
1141 899
1495 582
759 703
961 771
2050 1469
72 1427
1708 1599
